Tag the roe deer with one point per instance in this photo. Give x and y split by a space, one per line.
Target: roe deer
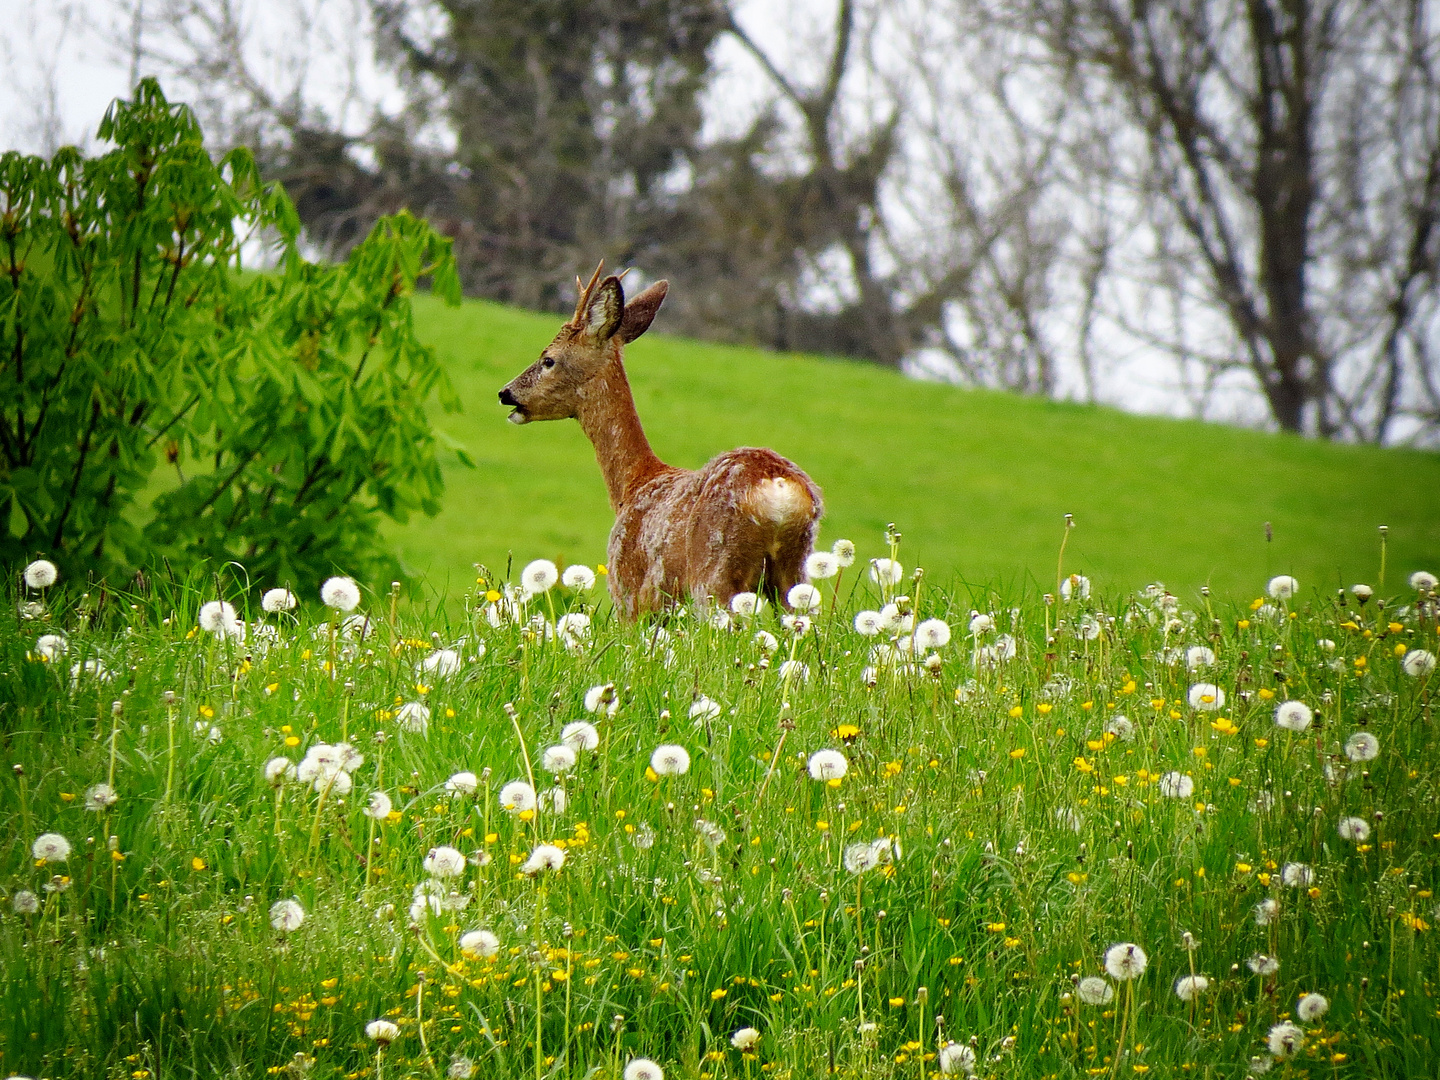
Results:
745 521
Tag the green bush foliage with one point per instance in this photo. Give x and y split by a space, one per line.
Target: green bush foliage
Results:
157 402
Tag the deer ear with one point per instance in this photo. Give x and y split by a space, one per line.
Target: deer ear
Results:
640 311
605 310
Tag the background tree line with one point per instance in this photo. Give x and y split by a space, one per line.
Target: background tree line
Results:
1038 195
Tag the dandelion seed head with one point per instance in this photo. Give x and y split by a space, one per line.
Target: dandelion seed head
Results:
382 1032
1417 663
413 717
1076 586
643 1069
218 617
460 1068
1297 875
859 858
480 942
517 796
821 564
558 759
670 760
443 862
1206 697
1285 1039
101 797
1190 987
828 765
277 600
25 902
1125 961
981 623
766 641
844 552
1121 727
1362 746
1176 785
1094 990
1356 829
704 708
462 783
804 597
51 847
379 806
286 915
932 634
745 1038
340 593
1282 587
1293 715
744 604
1266 910
543 857
1198 656
578 577
581 734
886 572
1261 964
539 577
954 1058
1420 581
868 623
41 574
1311 1007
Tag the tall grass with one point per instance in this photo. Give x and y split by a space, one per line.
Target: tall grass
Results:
1028 832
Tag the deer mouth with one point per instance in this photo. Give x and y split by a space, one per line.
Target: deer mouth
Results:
517 415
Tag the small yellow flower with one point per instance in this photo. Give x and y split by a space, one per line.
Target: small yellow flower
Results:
292 740
995 927
1018 753
197 863
1261 744
1017 712
1044 708
716 995
207 712
1243 624
897 1002
1266 693
600 569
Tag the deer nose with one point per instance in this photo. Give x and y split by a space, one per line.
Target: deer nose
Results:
507 398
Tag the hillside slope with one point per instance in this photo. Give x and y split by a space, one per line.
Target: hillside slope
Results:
978 482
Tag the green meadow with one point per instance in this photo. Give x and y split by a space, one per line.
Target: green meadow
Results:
977 482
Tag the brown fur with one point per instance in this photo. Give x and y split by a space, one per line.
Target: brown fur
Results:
744 521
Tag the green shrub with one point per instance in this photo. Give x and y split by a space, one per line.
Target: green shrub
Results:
156 402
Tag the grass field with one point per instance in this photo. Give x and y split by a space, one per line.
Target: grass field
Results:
1099 839
977 482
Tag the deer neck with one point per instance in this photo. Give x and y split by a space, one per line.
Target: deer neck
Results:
607 416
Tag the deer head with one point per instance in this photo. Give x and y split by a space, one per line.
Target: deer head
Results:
554 386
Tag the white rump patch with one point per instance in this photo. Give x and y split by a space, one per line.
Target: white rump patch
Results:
777 500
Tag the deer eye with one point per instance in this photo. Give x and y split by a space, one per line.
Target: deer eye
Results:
547 361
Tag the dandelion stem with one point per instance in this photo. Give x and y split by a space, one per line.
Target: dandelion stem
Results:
1060 562
1124 1025
774 761
170 751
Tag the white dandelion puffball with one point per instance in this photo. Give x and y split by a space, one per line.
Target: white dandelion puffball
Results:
101 797
1420 580
1190 987
554 800
414 717
981 623
859 858
869 623
1285 1039
1125 961
828 765
558 759
932 634
956 1057
1198 656
1206 697
445 662
1417 662
580 735
745 1038
543 857
1293 715
539 576
578 577
286 915
379 806
744 604
463 783
1122 727
382 1031
480 942
886 571
517 797
218 618
821 564
1311 1007
41 574
1076 586
844 552
443 862
25 902
94 669
51 847
573 628
340 593
1356 829
1094 990
277 600
49 647
1176 785
1261 964
1088 629
643 1069
1282 587
602 698
278 770
766 641
804 597
794 671
1297 875
670 760
1362 746
891 619
703 708
1361 592
1266 910
460 1068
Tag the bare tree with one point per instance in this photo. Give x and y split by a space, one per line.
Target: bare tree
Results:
1282 159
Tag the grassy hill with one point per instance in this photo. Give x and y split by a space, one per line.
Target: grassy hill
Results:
978 482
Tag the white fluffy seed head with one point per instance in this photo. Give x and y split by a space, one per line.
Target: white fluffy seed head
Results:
286 915
670 760
868 623
1206 697
745 1038
1190 987
1362 746
643 1069
462 783
539 576
1293 715
41 574
1176 785
276 600
1094 990
820 565
1420 581
1282 587
1355 829
1125 961
581 734
804 597
744 604
383 1032
340 593
517 797
886 571
543 857
828 765
444 861
379 806
578 577
1311 1007
52 847
1417 663
558 759
932 634
844 552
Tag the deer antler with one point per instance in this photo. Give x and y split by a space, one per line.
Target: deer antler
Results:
584 299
